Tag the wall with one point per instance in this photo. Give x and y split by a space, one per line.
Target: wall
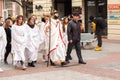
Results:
0 7
114 19
79 3
46 4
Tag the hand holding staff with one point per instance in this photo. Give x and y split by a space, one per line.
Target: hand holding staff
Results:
49 38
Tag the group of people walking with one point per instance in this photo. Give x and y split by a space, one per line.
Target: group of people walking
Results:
22 41
54 38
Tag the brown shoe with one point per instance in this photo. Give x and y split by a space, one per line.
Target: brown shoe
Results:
63 63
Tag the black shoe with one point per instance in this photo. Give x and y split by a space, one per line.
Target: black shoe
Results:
21 62
82 62
70 58
31 64
67 59
5 62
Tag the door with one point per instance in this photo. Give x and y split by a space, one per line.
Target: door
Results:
93 8
61 9
64 7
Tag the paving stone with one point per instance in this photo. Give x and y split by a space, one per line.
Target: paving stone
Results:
56 75
108 48
112 66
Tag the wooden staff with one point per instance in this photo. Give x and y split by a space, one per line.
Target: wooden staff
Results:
49 39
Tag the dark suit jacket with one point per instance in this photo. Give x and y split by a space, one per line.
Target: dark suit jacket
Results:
73 30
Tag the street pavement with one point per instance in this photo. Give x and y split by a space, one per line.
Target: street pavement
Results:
101 65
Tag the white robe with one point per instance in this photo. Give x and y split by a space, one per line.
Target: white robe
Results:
57 45
42 49
65 37
19 38
33 41
42 33
3 42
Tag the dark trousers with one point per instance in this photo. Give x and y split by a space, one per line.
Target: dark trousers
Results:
77 48
99 38
8 50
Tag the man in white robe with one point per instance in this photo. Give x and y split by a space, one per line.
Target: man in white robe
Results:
3 43
57 44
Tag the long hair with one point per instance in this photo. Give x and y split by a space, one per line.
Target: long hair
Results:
65 23
7 23
17 19
28 22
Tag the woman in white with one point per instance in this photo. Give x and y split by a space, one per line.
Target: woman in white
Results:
33 41
57 44
65 24
19 37
3 43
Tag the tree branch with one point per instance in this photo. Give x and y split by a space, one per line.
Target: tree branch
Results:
17 2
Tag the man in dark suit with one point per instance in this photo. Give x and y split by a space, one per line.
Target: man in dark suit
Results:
73 32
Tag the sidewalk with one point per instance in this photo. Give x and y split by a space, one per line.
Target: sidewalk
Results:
101 65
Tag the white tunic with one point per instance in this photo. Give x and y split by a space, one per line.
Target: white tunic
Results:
19 38
57 45
33 41
65 37
42 36
42 49
3 42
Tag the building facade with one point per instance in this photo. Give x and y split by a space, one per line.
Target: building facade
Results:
110 9
0 7
113 19
8 8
